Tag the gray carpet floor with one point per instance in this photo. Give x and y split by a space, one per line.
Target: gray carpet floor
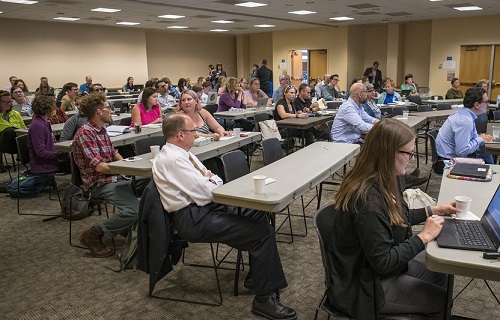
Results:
43 277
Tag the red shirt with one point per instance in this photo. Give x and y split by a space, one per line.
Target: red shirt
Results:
91 145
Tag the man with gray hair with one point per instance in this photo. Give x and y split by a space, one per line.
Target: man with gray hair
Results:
284 81
319 86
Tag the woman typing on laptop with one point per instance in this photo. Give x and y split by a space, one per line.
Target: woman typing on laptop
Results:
374 252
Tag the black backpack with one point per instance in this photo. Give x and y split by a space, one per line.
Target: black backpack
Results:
76 202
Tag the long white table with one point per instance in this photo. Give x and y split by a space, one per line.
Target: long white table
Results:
143 166
322 159
464 262
434 115
245 113
449 101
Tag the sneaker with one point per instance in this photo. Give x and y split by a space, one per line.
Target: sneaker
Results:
273 309
93 241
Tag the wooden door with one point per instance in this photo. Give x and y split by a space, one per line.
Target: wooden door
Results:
317 65
474 65
495 81
296 76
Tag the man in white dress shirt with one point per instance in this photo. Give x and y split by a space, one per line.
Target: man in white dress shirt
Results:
185 186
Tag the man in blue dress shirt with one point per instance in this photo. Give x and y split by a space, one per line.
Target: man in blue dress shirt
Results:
87 86
458 137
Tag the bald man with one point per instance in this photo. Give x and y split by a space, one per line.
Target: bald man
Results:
351 119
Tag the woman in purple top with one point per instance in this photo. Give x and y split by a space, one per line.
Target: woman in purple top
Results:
148 110
231 97
43 156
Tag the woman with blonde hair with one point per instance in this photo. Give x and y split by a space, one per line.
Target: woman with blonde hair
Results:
254 93
232 97
376 269
206 125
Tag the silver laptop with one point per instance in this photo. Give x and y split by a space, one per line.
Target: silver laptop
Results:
212 97
261 103
424 91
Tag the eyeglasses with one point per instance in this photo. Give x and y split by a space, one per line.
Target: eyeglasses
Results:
410 154
185 130
99 90
371 90
485 101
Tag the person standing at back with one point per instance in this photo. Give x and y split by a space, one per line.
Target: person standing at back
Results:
265 76
374 75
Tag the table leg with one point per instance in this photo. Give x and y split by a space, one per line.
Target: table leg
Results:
237 271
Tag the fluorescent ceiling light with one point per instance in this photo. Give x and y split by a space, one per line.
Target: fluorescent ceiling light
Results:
125 23
471 8
342 18
251 4
1 12
171 16
108 10
223 21
177 27
302 12
435 0
218 30
20 1
264 26
66 19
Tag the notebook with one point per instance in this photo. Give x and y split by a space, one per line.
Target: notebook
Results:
405 93
262 103
483 235
470 170
212 97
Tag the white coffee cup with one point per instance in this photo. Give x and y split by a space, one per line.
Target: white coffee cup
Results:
236 132
463 204
259 182
436 97
154 150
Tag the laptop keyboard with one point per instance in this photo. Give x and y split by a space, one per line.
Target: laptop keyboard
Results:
470 233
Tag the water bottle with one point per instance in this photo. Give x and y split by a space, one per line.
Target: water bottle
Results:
498 101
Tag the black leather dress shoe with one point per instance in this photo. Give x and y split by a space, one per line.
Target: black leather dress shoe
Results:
249 283
273 309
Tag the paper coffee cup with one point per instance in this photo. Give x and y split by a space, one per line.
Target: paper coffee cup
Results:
259 182
463 204
154 150
405 114
236 132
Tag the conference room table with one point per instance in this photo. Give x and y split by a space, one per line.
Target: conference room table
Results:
27 119
493 148
464 262
119 140
142 166
243 113
434 115
448 101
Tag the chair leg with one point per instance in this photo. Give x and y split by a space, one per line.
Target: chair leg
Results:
428 179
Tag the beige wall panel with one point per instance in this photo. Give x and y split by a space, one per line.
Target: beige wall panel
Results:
447 37
260 46
375 48
356 54
417 51
64 52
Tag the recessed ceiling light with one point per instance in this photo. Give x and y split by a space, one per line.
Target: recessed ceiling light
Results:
471 8
302 12
66 19
219 30
1 12
106 10
342 18
223 21
251 4
125 23
171 16
435 0
20 1
177 27
264 25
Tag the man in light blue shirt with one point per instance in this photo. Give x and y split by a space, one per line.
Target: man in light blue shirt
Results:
351 119
458 137
87 86
284 81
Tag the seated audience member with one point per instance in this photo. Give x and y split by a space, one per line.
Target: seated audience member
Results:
220 85
207 86
254 71
67 87
97 87
483 83
21 84
304 104
370 106
185 186
148 110
43 156
284 81
206 125
200 81
181 86
244 84
74 123
458 136
148 84
12 80
129 86
218 73
92 151
454 92
355 80
10 120
166 101
410 85
87 86
318 88
232 97
198 90
329 92
19 99
68 100
254 93
351 118
188 83
44 88
390 95
374 246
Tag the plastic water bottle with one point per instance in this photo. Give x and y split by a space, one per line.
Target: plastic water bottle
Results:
498 101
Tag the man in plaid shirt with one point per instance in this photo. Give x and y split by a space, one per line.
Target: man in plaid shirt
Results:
92 151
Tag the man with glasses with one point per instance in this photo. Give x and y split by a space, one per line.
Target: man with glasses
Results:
458 136
92 151
166 101
329 91
185 186
284 81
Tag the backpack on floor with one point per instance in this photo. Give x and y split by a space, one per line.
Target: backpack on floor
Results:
74 204
128 255
28 186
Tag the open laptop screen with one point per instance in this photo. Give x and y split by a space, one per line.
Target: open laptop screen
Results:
491 218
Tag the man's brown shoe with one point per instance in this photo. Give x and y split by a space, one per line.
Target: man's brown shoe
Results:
93 241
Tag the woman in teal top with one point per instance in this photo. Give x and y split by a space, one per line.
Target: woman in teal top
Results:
410 85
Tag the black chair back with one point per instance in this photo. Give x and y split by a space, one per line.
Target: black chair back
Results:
22 149
76 178
496 115
212 108
333 104
126 121
432 138
142 146
258 118
424 108
481 123
235 165
444 106
397 111
271 151
324 220
415 99
329 124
